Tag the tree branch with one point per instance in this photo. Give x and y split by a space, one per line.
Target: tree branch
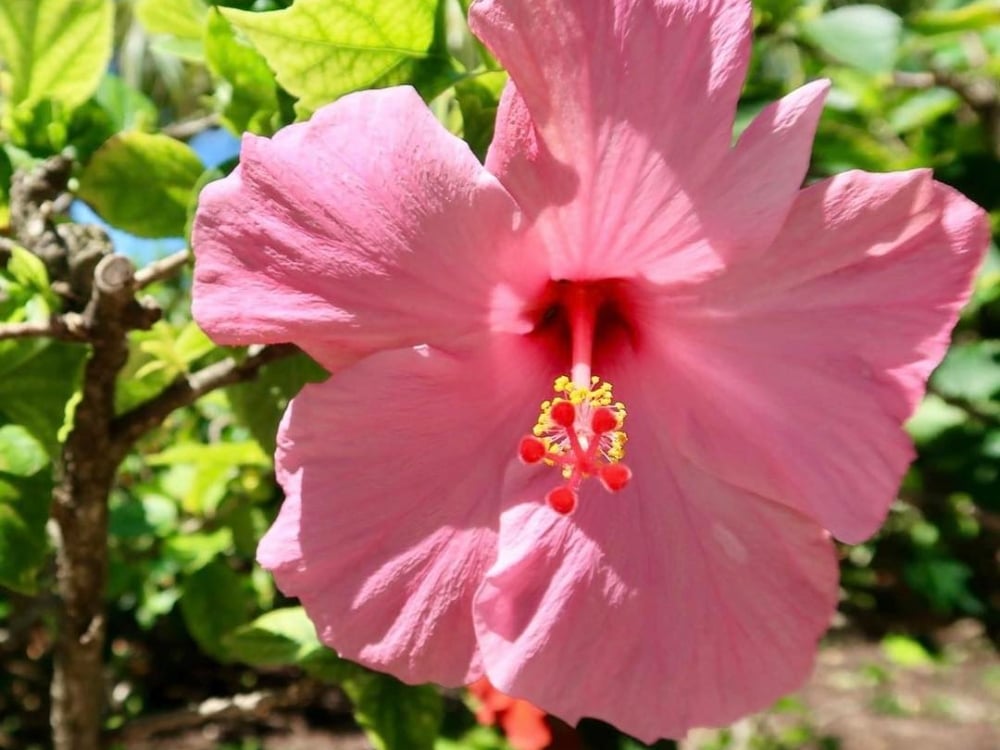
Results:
233 709
162 269
129 427
187 128
68 327
84 475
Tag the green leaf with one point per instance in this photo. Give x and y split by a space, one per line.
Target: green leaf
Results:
127 108
395 716
28 270
21 454
180 22
970 371
323 49
246 453
905 651
281 637
142 183
477 99
25 495
192 552
934 417
248 95
24 511
972 17
55 49
259 404
34 391
923 108
214 603
862 36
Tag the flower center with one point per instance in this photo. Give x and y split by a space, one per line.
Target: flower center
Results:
579 430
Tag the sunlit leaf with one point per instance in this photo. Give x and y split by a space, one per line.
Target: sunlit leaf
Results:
55 49
863 36
142 183
972 17
970 371
246 95
322 49
280 637
180 23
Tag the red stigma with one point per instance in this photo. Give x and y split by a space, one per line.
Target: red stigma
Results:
614 476
604 420
563 414
562 499
531 450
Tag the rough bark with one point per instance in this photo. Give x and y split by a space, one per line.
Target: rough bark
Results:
84 476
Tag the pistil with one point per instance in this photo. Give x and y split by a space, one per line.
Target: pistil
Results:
581 307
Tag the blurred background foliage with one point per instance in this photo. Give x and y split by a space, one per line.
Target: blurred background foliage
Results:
149 96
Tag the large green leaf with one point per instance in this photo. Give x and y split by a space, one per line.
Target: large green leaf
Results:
260 403
35 390
177 24
55 49
322 49
142 183
863 36
395 716
247 96
280 637
25 495
970 371
215 602
126 107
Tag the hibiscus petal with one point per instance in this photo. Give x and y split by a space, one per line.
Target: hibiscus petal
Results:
677 602
615 135
369 226
392 472
792 377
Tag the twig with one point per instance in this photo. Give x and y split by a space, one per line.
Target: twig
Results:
185 390
237 708
161 269
68 327
187 128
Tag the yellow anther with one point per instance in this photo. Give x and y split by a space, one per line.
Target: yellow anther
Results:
610 445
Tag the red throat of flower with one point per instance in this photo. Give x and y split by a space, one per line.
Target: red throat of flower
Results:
580 430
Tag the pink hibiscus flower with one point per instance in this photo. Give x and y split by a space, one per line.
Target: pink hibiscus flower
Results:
767 342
